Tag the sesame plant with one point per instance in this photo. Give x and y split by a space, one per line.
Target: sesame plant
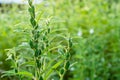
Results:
42 46
46 56
94 27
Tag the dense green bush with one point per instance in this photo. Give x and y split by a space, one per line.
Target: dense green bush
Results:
93 24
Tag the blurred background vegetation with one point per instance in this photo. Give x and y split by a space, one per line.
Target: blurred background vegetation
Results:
93 24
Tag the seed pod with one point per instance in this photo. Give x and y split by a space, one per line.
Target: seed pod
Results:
32 11
33 22
37 52
31 44
35 45
67 65
67 55
46 33
62 71
36 36
38 63
48 30
44 38
47 44
16 70
41 78
33 32
46 41
36 26
70 42
42 47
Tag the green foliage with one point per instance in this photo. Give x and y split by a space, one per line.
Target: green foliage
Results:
41 53
91 54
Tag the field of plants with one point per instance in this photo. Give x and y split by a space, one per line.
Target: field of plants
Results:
60 40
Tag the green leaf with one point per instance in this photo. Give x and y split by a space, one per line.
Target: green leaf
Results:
57 64
39 16
25 73
61 51
8 73
51 69
30 63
